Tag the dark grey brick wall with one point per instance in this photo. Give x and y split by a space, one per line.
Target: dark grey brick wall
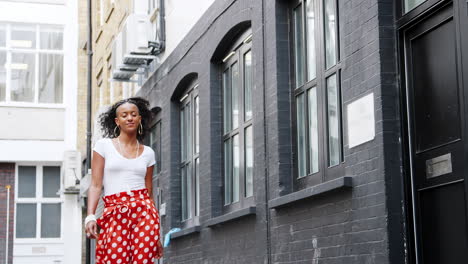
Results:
359 225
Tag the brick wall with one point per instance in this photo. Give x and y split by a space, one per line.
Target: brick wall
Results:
7 177
345 226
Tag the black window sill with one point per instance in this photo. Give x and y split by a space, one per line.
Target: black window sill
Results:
340 183
231 216
186 231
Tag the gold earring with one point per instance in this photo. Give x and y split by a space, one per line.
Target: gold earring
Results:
140 129
115 130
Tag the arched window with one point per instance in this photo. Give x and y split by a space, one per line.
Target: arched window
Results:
189 152
237 86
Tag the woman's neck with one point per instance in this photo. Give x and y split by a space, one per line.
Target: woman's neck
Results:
128 139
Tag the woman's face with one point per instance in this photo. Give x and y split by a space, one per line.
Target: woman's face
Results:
128 117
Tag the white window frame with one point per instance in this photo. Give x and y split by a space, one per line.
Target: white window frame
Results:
38 200
37 51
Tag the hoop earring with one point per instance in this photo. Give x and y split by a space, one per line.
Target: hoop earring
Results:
115 130
140 129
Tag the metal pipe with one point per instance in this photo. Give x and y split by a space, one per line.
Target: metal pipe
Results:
265 144
7 222
89 109
89 95
162 24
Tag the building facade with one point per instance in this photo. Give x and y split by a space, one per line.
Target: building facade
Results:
130 39
314 131
297 131
39 164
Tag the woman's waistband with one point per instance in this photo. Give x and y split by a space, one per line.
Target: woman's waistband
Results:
128 196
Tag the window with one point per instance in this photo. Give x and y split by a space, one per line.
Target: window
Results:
316 86
189 150
31 63
237 84
411 4
38 204
155 144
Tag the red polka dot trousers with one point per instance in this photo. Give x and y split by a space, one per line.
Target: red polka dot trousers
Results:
129 229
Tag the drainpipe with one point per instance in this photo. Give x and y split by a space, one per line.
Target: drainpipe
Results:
159 44
7 222
89 109
265 144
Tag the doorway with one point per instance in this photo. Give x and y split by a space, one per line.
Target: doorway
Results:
436 132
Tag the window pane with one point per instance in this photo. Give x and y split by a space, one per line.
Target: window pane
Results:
26 181
235 95
334 148
228 171
23 37
157 146
330 32
301 137
235 169
189 194
248 162
22 77
26 220
50 220
51 181
410 4
313 130
2 76
197 126
2 35
197 187
298 46
184 198
51 78
227 101
248 80
51 37
188 130
310 20
183 135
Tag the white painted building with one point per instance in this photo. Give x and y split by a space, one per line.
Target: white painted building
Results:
143 25
38 91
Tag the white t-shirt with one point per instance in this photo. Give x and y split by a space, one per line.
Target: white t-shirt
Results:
122 174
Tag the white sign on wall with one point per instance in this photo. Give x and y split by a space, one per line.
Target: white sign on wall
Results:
361 121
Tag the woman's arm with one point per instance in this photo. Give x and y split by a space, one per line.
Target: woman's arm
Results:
94 191
149 181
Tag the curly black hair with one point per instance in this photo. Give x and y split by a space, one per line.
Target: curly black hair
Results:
107 119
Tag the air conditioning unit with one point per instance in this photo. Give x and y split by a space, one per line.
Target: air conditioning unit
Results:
131 48
71 169
137 31
120 71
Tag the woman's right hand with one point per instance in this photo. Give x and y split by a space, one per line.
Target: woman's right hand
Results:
91 230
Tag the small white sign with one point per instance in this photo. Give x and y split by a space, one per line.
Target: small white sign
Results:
162 210
361 121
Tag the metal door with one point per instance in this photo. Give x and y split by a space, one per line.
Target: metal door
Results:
437 136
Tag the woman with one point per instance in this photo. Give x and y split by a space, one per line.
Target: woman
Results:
129 226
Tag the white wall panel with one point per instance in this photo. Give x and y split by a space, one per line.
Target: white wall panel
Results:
32 123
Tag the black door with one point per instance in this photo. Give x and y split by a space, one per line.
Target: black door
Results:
436 127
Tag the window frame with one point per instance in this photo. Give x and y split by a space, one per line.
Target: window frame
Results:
325 171
38 201
193 211
404 18
37 51
235 55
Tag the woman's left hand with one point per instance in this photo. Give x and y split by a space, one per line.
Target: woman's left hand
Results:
159 253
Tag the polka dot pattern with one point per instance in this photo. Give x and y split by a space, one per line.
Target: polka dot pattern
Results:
129 229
